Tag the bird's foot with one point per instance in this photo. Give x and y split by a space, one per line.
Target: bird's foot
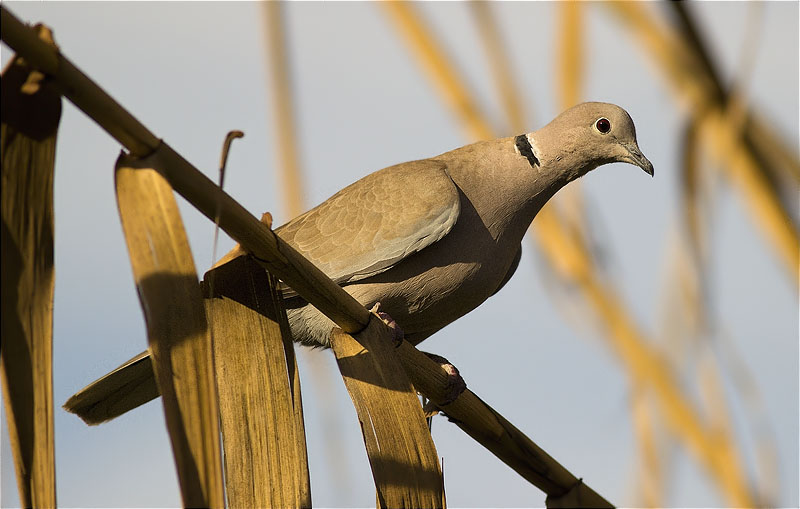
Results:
397 332
455 385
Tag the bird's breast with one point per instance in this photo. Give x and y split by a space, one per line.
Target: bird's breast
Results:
431 289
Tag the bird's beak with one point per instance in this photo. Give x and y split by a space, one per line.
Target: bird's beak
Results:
636 157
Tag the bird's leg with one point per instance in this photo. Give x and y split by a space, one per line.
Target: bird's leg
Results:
397 332
455 385
397 338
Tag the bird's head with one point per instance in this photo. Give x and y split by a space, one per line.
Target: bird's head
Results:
586 136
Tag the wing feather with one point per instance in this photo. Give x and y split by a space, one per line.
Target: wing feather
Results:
371 225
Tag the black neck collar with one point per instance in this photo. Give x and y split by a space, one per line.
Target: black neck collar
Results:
524 147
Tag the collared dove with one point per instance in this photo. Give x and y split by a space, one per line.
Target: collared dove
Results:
432 239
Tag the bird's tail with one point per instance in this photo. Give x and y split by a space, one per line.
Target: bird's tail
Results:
127 387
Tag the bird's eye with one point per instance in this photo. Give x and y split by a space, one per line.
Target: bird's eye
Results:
602 125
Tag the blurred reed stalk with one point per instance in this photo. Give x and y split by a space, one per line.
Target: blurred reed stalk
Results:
291 175
695 84
436 63
293 197
690 317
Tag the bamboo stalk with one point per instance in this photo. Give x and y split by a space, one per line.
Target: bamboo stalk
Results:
774 145
31 110
690 278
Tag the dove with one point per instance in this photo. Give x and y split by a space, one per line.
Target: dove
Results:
432 239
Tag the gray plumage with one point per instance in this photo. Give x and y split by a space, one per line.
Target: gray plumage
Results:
433 239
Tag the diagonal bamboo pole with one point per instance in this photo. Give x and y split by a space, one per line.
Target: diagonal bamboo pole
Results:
568 254
478 419
493 431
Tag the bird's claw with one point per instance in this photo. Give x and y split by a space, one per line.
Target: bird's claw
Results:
397 332
455 384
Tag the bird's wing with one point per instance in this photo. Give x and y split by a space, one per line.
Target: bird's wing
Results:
371 225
